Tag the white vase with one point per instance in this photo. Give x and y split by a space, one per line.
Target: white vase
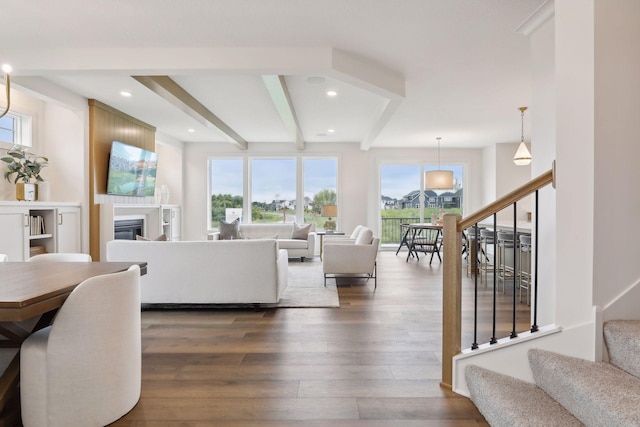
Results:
164 195
43 191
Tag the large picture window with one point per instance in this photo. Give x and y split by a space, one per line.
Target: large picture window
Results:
320 188
404 200
273 190
225 190
266 190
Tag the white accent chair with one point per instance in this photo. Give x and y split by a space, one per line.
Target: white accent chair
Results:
61 257
4 258
85 369
341 258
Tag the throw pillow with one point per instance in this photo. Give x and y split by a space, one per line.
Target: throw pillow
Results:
300 232
365 237
229 230
160 238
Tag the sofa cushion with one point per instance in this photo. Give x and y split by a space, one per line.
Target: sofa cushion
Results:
365 237
300 232
160 238
292 244
229 230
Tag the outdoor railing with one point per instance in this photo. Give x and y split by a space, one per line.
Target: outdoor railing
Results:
453 229
391 232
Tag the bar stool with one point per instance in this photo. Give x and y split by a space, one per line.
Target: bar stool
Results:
524 263
473 249
505 271
487 238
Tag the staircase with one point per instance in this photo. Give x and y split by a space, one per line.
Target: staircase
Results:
568 391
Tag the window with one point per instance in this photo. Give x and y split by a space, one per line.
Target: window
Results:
270 189
320 188
225 190
273 190
15 128
402 201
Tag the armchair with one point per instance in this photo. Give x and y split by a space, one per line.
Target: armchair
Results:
351 259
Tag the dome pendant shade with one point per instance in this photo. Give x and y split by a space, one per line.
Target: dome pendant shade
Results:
438 180
523 156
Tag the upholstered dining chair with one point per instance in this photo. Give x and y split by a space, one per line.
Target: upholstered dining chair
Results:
61 257
4 258
85 369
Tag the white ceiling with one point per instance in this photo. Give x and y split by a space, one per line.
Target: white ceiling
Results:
406 71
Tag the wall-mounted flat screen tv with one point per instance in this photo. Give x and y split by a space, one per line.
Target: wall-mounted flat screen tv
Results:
132 171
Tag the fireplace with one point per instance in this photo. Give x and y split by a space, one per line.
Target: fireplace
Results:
128 229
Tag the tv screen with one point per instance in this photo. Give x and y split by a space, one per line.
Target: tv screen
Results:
132 171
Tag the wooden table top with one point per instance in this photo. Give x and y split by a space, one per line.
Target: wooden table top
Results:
25 285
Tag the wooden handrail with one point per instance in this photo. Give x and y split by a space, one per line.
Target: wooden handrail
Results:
452 268
507 200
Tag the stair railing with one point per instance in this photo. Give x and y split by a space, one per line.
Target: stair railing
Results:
453 227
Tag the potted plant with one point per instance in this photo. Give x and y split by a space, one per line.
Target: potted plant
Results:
26 167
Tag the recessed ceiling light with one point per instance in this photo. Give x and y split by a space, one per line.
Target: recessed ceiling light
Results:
125 94
7 68
331 130
332 93
191 130
315 80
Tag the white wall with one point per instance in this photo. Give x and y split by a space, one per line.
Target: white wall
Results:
489 175
574 59
170 170
617 149
543 152
62 144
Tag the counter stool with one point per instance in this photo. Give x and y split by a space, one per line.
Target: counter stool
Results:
487 238
473 249
505 271
524 264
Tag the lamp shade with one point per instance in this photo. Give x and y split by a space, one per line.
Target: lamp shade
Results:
330 211
438 180
522 156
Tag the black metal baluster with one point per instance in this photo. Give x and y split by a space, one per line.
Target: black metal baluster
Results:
475 292
515 256
495 275
534 327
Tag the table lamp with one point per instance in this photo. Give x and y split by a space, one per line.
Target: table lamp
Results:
329 211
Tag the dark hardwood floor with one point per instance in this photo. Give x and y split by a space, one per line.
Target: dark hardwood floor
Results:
374 362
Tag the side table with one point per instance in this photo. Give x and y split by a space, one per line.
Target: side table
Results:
327 233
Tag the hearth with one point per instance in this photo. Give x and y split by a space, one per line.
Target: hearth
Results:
128 229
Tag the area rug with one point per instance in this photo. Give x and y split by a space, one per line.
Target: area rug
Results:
306 287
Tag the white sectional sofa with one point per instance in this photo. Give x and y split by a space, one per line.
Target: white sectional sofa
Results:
207 272
282 232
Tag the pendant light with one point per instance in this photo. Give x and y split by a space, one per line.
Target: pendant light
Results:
523 156
438 179
7 80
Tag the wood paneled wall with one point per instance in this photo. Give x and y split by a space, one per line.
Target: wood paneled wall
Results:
106 124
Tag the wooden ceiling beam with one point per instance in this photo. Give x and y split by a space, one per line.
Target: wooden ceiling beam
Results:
279 92
170 91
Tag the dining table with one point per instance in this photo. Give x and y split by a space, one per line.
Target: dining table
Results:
421 237
30 296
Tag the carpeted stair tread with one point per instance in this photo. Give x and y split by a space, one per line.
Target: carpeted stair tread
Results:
623 344
598 394
510 402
